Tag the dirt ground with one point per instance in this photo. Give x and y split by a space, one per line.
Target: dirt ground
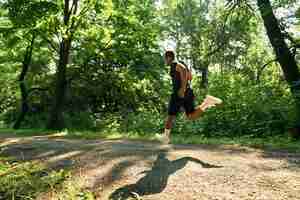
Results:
123 169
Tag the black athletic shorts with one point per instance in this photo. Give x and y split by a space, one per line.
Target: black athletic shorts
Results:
187 103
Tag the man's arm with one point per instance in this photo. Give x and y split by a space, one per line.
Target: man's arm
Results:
183 79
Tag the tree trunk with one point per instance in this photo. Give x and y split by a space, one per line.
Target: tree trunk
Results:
283 54
204 74
204 81
23 89
56 120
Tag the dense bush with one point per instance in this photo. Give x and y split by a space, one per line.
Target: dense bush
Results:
249 109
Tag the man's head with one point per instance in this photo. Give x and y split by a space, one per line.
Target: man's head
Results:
169 57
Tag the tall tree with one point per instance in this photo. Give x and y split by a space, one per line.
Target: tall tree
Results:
24 91
284 55
24 18
70 9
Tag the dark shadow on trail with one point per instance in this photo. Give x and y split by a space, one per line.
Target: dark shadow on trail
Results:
156 179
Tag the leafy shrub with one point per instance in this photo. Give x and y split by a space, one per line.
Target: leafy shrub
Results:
248 109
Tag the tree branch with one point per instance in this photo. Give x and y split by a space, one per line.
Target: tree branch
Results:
74 25
52 45
228 14
259 71
66 12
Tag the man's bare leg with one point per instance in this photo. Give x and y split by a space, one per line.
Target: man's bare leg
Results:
208 102
168 126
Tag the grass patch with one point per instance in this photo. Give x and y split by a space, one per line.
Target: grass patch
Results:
275 142
26 132
90 135
26 180
282 142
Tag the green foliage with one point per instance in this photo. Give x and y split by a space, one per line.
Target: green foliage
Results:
27 12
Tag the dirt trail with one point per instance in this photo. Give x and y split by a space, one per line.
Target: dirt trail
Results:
120 169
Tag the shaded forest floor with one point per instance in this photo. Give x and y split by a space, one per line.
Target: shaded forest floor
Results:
134 169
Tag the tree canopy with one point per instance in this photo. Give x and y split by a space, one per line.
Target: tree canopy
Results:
69 63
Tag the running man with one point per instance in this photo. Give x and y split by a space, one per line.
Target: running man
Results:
182 95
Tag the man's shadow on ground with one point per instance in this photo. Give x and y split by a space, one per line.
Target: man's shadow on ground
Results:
156 179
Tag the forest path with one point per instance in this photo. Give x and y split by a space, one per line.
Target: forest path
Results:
131 169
